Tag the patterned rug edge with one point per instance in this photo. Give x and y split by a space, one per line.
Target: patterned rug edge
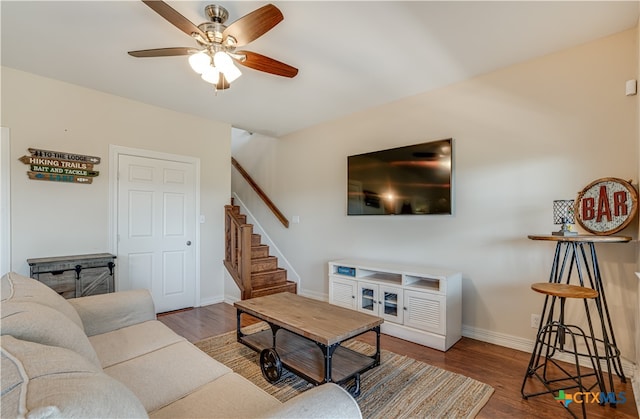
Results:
442 396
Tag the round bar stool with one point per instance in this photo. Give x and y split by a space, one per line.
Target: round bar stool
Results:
554 336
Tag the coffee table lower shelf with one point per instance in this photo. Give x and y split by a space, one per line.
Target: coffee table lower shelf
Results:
313 361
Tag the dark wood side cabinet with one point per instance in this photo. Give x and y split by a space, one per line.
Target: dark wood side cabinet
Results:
76 276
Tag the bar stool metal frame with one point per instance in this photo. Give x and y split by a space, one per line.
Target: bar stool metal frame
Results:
551 338
580 252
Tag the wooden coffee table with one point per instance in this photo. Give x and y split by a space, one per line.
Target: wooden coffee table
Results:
305 337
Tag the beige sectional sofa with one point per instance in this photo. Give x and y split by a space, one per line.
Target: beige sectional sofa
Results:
106 356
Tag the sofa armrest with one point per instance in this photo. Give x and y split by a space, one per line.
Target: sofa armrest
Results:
107 312
324 401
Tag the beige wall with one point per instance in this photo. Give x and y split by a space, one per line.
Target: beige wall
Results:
524 136
52 219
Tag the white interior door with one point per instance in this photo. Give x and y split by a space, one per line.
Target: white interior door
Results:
157 229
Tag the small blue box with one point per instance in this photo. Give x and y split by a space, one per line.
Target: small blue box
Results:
345 270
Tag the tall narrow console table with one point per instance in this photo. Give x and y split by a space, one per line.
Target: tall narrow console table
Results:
576 256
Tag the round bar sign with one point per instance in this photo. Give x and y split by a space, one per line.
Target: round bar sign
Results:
606 206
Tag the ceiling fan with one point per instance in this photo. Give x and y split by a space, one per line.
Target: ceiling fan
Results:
215 57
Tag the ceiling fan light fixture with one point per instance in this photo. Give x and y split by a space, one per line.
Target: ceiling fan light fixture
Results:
200 62
211 75
224 63
232 73
216 57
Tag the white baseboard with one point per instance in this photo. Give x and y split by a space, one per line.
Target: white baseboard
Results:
211 300
230 299
501 339
312 294
526 345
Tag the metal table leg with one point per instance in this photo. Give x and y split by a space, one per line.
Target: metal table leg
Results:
585 263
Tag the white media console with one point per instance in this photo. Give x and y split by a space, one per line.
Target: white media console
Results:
418 303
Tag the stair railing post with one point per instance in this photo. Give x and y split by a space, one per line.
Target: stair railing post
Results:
244 267
227 232
232 247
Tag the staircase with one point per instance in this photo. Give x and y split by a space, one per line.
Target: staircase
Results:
248 261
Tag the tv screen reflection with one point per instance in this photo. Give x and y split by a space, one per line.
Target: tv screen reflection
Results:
415 179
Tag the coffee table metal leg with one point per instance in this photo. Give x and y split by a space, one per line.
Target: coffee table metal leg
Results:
354 390
377 330
327 351
239 334
274 331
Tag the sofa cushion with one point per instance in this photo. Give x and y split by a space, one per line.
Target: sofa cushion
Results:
235 397
133 341
325 401
47 381
18 288
104 313
165 375
42 324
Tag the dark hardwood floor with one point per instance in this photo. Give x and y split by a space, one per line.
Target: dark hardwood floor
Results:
500 367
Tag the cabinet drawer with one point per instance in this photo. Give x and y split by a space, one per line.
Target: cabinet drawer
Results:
62 282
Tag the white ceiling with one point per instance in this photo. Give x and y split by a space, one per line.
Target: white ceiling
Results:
351 55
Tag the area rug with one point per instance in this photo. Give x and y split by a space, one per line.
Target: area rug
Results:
400 387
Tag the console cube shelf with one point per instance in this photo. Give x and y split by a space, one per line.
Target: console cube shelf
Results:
418 303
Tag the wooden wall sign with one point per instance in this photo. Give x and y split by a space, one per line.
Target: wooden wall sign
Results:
57 166
606 206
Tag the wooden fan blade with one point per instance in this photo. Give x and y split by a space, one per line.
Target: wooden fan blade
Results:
162 52
253 25
175 18
266 64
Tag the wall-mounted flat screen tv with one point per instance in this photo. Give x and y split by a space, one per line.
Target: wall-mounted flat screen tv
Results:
415 179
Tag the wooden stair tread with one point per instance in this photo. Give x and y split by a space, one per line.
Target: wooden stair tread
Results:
275 276
288 286
259 251
271 271
287 283
268 263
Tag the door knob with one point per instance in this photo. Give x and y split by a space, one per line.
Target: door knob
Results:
188 242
